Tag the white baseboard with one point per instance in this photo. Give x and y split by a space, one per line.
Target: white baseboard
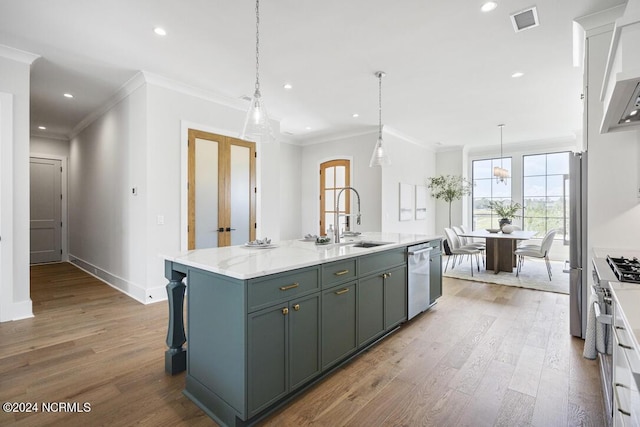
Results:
17 311
133 290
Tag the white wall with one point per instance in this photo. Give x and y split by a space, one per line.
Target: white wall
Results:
15 300
290 167
450 162
378 187
363 178
54 147
411 164
107 233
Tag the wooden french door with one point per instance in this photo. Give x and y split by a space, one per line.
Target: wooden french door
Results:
222 190
334 176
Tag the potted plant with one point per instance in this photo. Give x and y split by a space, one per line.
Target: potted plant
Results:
448 188
505 210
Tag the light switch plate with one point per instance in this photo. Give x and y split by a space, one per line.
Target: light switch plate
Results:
160 219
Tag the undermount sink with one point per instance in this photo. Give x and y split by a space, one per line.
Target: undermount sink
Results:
370 244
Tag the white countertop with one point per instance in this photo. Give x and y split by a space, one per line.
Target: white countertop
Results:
627 297
243 262
616 252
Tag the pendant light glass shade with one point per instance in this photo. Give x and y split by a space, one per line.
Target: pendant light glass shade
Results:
379 157
257 127
500 173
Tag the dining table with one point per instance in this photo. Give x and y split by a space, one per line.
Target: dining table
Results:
500 251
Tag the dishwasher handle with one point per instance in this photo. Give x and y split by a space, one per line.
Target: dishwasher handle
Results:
420 251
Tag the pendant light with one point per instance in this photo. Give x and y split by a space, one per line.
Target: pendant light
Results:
257 126
500 173
379 156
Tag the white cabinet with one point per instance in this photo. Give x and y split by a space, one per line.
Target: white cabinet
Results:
626 370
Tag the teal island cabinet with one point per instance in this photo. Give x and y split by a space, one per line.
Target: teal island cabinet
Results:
265 324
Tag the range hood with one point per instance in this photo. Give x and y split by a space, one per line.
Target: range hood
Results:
621 86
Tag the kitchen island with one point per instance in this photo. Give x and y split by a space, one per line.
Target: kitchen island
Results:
265 324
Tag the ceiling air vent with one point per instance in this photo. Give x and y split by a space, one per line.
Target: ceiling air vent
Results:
525 19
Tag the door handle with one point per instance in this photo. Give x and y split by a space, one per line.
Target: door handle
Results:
230 229
220 230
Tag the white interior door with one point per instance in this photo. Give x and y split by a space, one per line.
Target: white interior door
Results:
46 210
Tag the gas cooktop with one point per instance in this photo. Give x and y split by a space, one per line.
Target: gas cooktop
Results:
625 269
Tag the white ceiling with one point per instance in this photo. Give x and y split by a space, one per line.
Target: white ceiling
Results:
448 64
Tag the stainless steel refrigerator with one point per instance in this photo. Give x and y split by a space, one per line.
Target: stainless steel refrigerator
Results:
578 256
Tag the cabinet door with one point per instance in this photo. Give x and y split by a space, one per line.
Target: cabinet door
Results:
338 323
435 277
370 308
267 357
395 297
304 340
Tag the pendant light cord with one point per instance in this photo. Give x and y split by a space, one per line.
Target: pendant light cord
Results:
257 46
501 126
380 105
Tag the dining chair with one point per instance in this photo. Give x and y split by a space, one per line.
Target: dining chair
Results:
541 251
465 241
457 249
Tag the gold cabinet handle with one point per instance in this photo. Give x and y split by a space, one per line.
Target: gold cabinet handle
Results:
286 288
342 291
341 273
285 311
296 307
388 275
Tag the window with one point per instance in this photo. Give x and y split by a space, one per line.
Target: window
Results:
487 188
334 176
545 191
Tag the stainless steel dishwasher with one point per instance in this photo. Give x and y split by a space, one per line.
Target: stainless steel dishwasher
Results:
419 272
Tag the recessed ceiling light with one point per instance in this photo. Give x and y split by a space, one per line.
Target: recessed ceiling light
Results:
68 95
517 74
160 31
42 127
287 86
355 115
489 6
308 127
633 113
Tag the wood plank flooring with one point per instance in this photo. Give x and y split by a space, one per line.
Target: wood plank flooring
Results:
485 355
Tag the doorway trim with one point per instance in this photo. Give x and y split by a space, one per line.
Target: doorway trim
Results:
64 202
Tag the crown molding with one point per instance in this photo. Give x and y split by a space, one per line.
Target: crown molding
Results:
395 132
207 95
125 90
17 55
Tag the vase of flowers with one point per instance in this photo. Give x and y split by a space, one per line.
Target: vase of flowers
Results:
506 211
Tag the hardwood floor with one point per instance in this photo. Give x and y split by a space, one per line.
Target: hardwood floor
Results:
485 355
